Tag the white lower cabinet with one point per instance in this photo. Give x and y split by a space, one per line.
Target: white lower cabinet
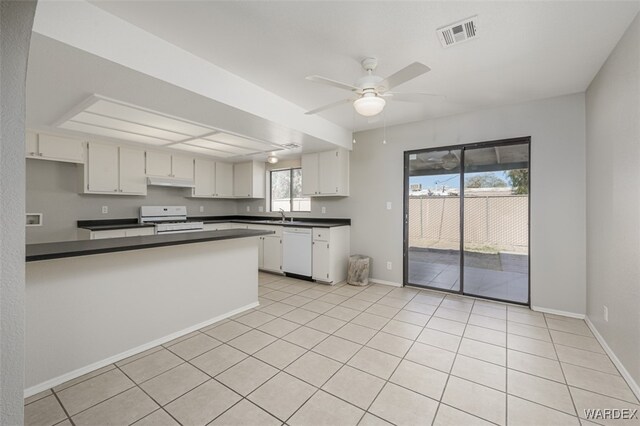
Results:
85 234
330 254
272 253
216 226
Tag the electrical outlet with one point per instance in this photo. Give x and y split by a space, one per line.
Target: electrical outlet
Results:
606 313
389 265
105 209
201 209
324 209
260 209
248 208
388 205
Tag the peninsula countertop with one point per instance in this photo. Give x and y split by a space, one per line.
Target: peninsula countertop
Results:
62 249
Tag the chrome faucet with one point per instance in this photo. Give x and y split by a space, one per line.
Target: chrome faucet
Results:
282 214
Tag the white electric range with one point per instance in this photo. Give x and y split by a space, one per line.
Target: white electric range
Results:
169 219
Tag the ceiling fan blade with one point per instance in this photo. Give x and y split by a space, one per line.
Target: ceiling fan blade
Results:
328 106
329 82
405 74
411 97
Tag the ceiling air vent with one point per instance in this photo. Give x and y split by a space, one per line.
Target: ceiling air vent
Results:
290 145
458 32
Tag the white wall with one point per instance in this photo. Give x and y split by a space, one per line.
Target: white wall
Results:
613 202
16 20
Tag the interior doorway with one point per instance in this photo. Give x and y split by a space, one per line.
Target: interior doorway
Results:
466 227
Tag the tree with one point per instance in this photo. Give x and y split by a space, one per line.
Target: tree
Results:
519 179
487 180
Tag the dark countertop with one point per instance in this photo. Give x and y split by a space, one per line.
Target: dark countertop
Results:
46 251
108 224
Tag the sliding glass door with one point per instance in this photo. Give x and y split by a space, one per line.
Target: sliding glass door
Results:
467 219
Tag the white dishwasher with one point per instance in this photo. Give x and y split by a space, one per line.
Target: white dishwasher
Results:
296 251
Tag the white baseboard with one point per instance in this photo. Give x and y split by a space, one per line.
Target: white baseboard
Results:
96 365
383 282
623 371
557 312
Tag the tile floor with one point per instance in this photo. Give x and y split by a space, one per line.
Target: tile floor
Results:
342 355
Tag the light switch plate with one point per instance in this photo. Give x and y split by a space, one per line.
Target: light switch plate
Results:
105 209
324 209
388 205
201 209
260 209
248 208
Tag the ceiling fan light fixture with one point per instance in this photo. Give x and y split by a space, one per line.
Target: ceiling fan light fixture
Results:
449 161
272 159
369 105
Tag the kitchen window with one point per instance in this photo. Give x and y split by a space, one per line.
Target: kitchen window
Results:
286 191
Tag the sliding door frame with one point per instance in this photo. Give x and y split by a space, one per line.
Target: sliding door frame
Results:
405 220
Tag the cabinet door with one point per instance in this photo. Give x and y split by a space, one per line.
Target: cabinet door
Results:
321 261
329 172
203 178
158 163
31 144
182 167
310 174
114 233
132 177
272 253
59 148
242 180
136 232
224 180
260 252
102 168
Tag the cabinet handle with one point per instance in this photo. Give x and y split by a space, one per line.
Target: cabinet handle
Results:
32 153
40 154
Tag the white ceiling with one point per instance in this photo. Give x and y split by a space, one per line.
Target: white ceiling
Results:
525 51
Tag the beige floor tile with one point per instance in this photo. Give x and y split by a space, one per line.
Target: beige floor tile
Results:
403 407
219 359
531 346
586 400
587 359
312 293
486 403
529 331
523 318
431 356
526 413
313 368
348 291
300 316
333 298
402 329
382 310
356 333
486 335
247 375
45 411
170 385
276 284
203 404
607 384
305 337
318 306
326 324
145 368
370 420
124 408
324 409
533 364
39 395
576 341
356 304
244 413
569 327
277 309
452 314
228 331
369 320
464 304
354 386
279 327
135 357
489 311
93 391
181 338
421 308
429 298
543 391
421 379
296 300
252 341
448 326
255 319
280 353
262 303
488 322
282 395
337 348
374 362
440 339
157 418
484 373
414 318
343 313
390 344
449 416
403 293
276 295
87 376
392 302
484 351
197 345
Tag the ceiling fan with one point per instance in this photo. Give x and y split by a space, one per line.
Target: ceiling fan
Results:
371 90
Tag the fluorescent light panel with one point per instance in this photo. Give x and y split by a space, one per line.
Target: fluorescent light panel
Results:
111 133
228 139
204 151
205 143
117 124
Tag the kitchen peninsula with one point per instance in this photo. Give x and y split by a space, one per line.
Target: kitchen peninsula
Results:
93 302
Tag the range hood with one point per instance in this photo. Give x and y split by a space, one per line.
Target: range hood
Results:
171 181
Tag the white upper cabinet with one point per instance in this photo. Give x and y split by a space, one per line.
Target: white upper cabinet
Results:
55 148
224 180
204 178
248 180
111 169
166 165
326 173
